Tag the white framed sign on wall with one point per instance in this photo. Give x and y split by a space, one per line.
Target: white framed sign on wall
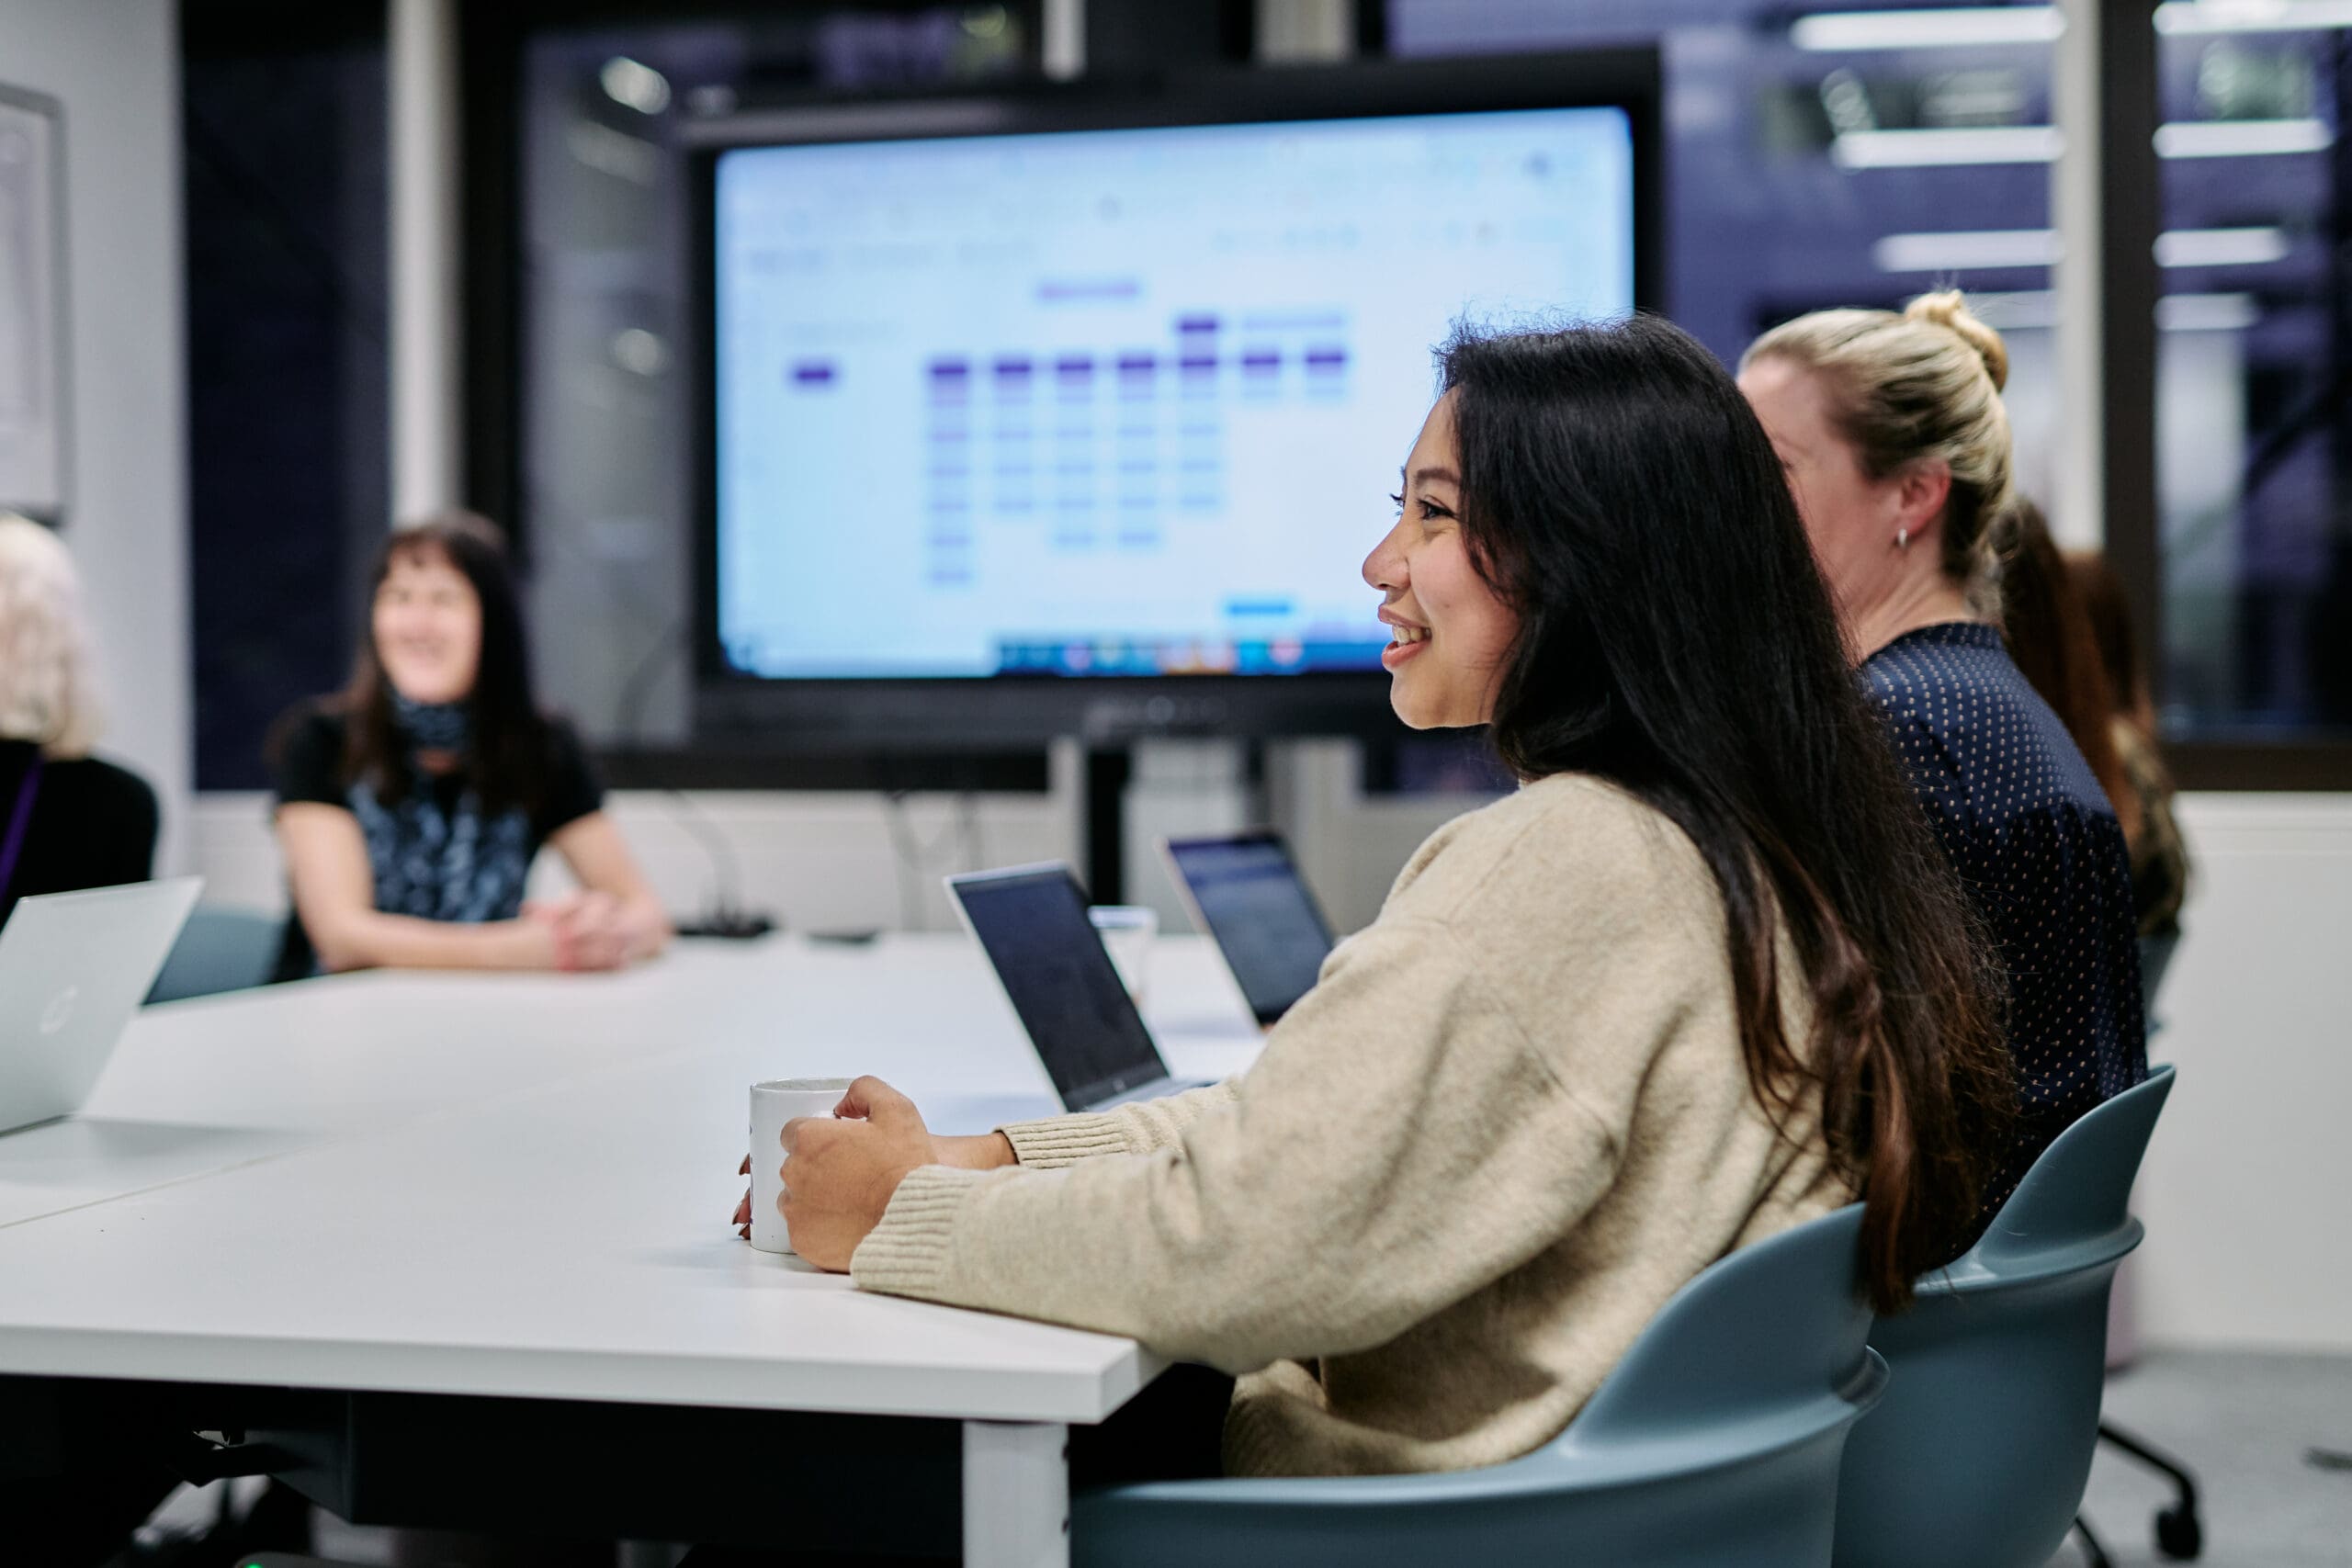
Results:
32 305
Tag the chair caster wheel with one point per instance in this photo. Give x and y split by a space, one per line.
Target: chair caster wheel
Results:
2180 1536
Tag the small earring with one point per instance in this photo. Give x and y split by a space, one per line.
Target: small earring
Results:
1903 538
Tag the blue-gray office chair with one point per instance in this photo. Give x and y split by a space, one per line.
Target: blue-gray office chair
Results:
1716 1442
1979 1454
220 949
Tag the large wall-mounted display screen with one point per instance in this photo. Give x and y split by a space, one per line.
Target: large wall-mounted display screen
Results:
1111 402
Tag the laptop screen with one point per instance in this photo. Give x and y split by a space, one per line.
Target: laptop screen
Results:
1257 907
1033 924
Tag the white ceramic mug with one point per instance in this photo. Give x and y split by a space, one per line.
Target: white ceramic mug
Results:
772 1104
1127 931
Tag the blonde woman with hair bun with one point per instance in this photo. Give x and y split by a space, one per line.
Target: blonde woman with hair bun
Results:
1891 430
67 820
1898 444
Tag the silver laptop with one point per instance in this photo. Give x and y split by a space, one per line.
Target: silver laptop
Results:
73 968
1031 922
1246 892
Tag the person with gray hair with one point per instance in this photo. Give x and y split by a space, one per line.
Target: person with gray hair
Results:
67 820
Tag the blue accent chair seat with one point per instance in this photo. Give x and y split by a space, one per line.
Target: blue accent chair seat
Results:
1715 1441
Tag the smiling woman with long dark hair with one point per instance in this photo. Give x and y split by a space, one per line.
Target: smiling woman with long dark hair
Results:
1703 978
410 804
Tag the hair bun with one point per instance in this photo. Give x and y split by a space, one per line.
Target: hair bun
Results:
1949 307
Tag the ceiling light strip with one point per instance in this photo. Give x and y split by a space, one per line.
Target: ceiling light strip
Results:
1972 146
1957 26
2242 137
2193 17
1983 249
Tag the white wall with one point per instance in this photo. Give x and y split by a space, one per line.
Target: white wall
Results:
2247 1188
114 64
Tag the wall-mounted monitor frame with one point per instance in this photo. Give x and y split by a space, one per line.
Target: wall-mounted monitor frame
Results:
739 711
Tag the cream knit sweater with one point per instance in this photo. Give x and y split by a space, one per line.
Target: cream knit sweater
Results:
1470 1166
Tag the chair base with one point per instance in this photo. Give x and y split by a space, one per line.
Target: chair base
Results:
2180 1532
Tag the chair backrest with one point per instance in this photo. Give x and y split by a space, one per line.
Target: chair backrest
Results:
221 948
2077 1196
1773 1327
1714 1442
1978 1455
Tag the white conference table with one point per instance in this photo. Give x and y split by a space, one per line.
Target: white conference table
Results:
470 1212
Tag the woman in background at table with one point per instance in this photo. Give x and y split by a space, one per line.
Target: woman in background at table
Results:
67 820
1655 1006
410 804
1892 431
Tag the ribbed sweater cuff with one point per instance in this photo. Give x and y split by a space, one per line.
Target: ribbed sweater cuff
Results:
1065 1140
909 1253
1249 1448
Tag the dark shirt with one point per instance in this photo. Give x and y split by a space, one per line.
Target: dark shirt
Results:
92 825
434 854
2043 858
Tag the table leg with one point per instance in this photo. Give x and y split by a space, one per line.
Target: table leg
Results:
1016 1494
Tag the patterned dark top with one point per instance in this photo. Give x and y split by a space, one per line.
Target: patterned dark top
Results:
2042 857
435 853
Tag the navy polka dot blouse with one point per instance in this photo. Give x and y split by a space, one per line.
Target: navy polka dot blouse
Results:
2041 855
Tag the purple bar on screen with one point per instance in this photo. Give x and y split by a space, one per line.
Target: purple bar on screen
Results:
1012 367
1259 361
1073 367
1325 358
1198 364
812 373
1294 321
950 370
1197 323
1136 364
1059 288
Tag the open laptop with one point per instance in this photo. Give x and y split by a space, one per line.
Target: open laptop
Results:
1031 922
1245 891
73 968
